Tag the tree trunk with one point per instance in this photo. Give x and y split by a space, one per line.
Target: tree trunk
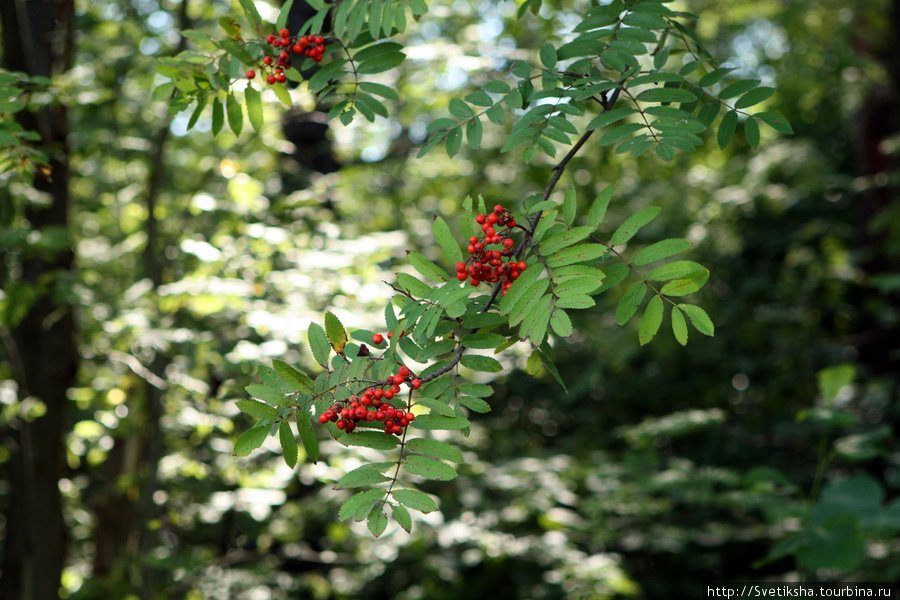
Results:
37 39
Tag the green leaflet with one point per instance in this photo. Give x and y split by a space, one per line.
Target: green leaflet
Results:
307 436
446 241
318 343
288 444
359 477
435 448
476 404
564 238
576 254
250 440
632 224
482 341
598 208
485 364
560 323
440 422
415 500
369 439
402 516
257 409
377 522
652 319
254 108
660 250
293 377
430 468
267 394
630 302
679 326
699 319
426 268
675 270
235 114
358 506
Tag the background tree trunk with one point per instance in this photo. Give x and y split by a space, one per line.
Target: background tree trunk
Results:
37 39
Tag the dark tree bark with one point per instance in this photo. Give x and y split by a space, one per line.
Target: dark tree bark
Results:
37 39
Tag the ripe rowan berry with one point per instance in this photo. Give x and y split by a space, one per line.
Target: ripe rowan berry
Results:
415 384
270 79
251 74
284 33
377 339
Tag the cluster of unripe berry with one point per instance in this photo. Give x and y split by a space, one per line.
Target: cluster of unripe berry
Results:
487 264
374 405
312 46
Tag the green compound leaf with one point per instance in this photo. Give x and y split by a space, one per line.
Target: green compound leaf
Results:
426 268
334 330
288 444
308 436
318 343
679 326
257 409
359 505
652 319
295 378
359 477
632 224
415 500
699 319
430 468
250 440
377 522
630 302
254 108
660 250
435 448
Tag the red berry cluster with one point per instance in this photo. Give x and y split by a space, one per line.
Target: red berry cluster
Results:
374 405
488 264
312 46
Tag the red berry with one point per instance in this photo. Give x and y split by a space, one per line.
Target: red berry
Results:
471 249
508 243
460 266
270 38
283 55
410 416
403 370
298 48
284 33
323 418
462 275
268 60
498 209
415 384
388 394
281 78
480 219
398 379
521 266
492 218
342 424
377 339
390 334
251 74
319 40
270 79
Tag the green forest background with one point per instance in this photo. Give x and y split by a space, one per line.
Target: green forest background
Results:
766 453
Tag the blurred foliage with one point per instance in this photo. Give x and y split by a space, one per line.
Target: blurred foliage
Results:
661 471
